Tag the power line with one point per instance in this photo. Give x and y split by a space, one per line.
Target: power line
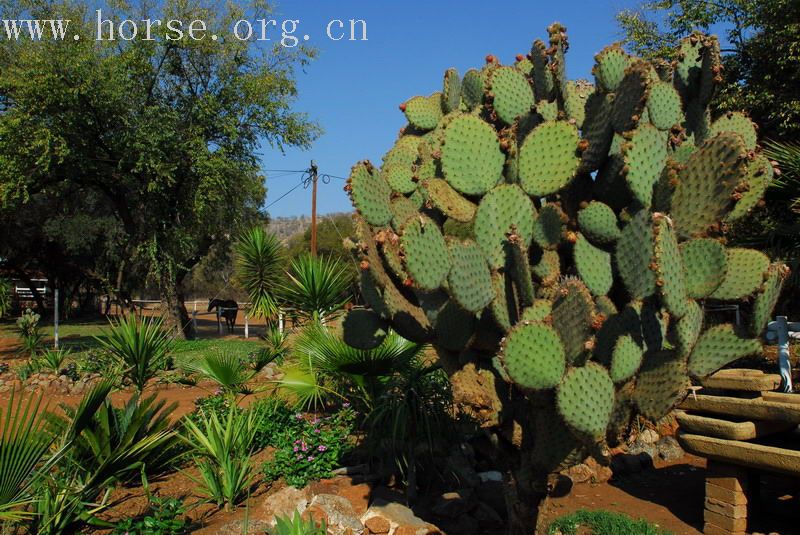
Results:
282 196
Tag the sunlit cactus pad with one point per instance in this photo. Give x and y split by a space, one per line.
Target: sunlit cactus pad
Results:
565 237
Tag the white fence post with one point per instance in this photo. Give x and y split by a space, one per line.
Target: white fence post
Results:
219 322
246 327
280 321
55 319
194 321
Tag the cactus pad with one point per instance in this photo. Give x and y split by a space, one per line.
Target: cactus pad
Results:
610 67
705 263
451 91
573 314
598 222
664 106
503 207
534 357
739 123
687 329
594 266
625 360
759 177
424 112
670 278
512 95
472 88
547 110
402 208
469 281
661 383
454 327
400 177
745 274
539 311
576 95
630 97
547 160
717 347
370 194
427 261
404 151
767 298
597 130
706 184
363 329
543 83
449 201
634 253
585 399
471 158
644 156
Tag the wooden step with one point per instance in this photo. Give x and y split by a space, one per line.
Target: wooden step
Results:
745 409
743 379
715 427
769 458
781 397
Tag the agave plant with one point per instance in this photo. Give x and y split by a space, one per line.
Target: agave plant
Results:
259 259
23 446
222 452
316 288
297 525
141 347
328 367
226 369
53 359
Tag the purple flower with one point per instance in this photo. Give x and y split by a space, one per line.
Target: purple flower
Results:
346 404
299 457
310 458
317 431
315 421
322 447
295 449
298 416
297 441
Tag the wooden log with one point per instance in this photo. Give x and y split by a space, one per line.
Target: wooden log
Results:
715 427
743 380
760 457
756 409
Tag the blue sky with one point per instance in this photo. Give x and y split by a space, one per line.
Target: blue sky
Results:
353 88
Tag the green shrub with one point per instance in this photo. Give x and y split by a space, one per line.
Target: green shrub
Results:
165 516
274 418
5 297
221 450
28 329
603 523
53 359
297 525
312 449
140 346
97 360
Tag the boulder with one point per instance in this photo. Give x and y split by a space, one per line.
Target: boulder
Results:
339 514
285 502
454 504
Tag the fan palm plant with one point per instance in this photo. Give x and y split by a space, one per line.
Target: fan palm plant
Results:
226 369
23 445
316 288
259 257
327 367
141 347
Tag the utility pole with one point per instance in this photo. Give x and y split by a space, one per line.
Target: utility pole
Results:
313 171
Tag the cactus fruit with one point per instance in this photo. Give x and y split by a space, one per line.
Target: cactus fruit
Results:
563 248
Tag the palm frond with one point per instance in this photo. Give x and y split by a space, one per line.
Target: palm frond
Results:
259 256
23 445
787 154
224 368
316 287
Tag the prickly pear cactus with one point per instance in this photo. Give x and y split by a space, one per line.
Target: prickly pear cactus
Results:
556 241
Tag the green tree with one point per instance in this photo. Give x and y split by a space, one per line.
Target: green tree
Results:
332 230
761 60
164 131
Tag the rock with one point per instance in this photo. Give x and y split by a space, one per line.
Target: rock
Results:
285 502
669 450
453 504
579 473
491 475
401 519
377 525
648 436
648 449
602 473
340 514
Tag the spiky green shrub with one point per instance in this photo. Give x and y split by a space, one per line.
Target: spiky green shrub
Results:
555 241
30 332
259 257
297 525
316 288
5 297
140 346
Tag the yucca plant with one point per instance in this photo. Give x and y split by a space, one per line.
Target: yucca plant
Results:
226 369
316 288
327 367
53 359
275 350
141 347
259 257
29 332
23 446
222 450
297 525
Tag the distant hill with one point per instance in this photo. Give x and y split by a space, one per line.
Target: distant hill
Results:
288 226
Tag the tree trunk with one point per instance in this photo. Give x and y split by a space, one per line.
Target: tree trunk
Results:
172 303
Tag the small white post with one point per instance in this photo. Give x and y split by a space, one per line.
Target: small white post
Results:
246 327
280 321
219 323
194 321
55 319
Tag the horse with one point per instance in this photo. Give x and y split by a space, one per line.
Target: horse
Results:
229 309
